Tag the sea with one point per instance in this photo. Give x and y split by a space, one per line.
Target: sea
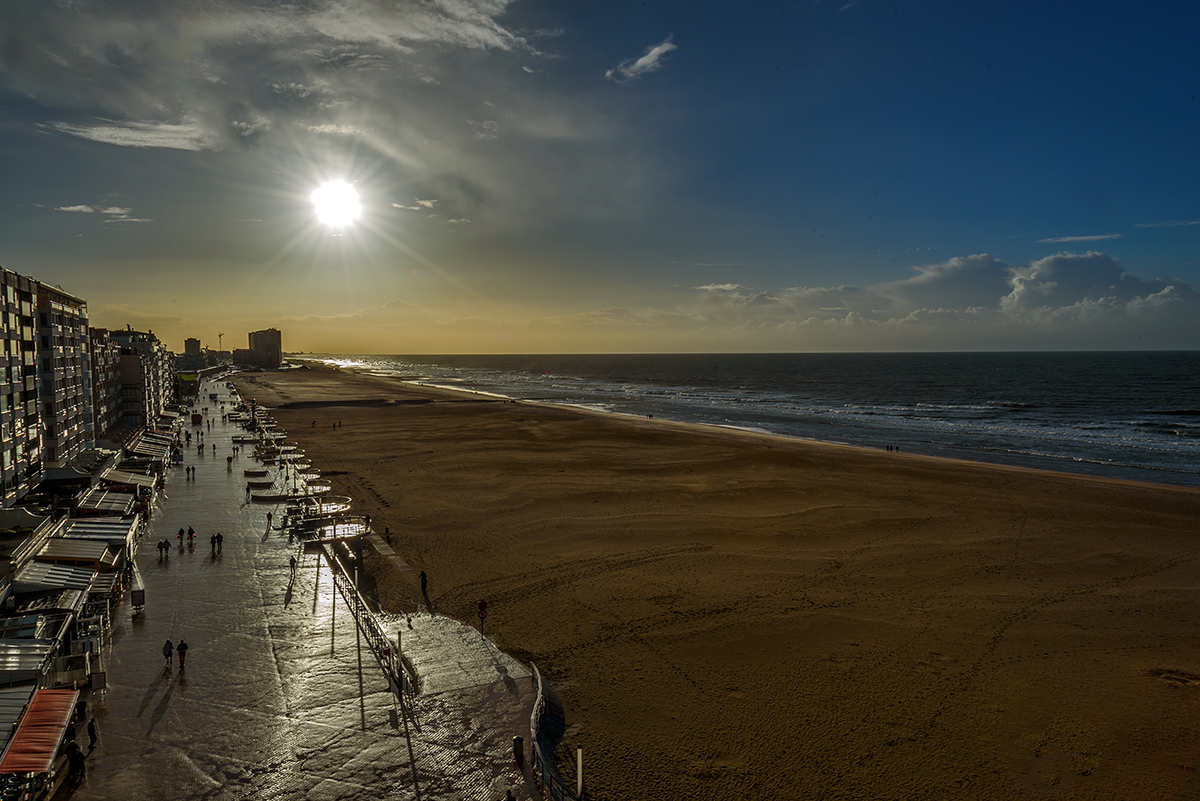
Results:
1128 415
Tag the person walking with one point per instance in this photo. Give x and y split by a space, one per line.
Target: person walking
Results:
92 736
220 541
213 539
77 761
182 648
168 649
293 561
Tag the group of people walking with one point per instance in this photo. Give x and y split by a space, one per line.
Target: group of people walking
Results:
170 649
76 758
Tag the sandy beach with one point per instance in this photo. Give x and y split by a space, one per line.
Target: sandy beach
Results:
734 615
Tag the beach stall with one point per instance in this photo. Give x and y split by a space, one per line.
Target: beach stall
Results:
99 501
29 660
93 554
13 701
129 479
119 532
31 767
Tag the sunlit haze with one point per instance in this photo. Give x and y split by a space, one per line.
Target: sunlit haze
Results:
531 176
336 203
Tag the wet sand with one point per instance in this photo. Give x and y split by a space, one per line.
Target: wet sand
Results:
733 615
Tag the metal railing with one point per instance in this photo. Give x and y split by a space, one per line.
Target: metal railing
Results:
385 651
546 764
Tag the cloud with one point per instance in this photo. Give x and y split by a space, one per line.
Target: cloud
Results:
190 74
338 129
651 60
421 205
118 214
485 129
1067 300
961 282
259 83
1060 239
1168 224
142 134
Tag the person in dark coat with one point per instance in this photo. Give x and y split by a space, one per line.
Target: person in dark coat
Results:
168 650
69 736
92 736
182 649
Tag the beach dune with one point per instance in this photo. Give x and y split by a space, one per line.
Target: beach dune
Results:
734 615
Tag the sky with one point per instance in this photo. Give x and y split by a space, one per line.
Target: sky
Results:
610 176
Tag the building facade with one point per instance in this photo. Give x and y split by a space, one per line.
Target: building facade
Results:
266 348
146 375
63 375
20 417
104 380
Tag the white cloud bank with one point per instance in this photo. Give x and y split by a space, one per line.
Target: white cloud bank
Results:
1066 301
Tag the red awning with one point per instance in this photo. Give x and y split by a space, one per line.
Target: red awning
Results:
34 745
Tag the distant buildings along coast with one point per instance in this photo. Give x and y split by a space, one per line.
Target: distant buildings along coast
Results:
70 391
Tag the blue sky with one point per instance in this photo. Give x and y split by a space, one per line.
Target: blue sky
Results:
611 177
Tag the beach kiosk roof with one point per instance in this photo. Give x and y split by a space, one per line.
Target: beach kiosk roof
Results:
13 701
101 501
41 576
92 554
118 532
127 478
25 660
147 445
34 745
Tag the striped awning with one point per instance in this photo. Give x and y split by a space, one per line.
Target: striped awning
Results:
35 744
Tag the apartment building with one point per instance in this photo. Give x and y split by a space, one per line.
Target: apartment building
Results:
63 375
266 348
104 381
146 375
20 419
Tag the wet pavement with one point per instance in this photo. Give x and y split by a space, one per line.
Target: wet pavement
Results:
270 704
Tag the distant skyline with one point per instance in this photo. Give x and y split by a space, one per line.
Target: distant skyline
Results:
611 177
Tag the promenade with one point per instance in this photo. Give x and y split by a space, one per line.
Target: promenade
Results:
270 704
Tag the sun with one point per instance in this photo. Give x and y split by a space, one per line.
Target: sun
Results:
336 203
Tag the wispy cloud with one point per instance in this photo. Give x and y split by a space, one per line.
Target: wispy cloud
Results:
142 134
631 69
117 214
421 205
1168 224
1094 238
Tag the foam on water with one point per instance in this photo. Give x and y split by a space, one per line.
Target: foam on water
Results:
1124 415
